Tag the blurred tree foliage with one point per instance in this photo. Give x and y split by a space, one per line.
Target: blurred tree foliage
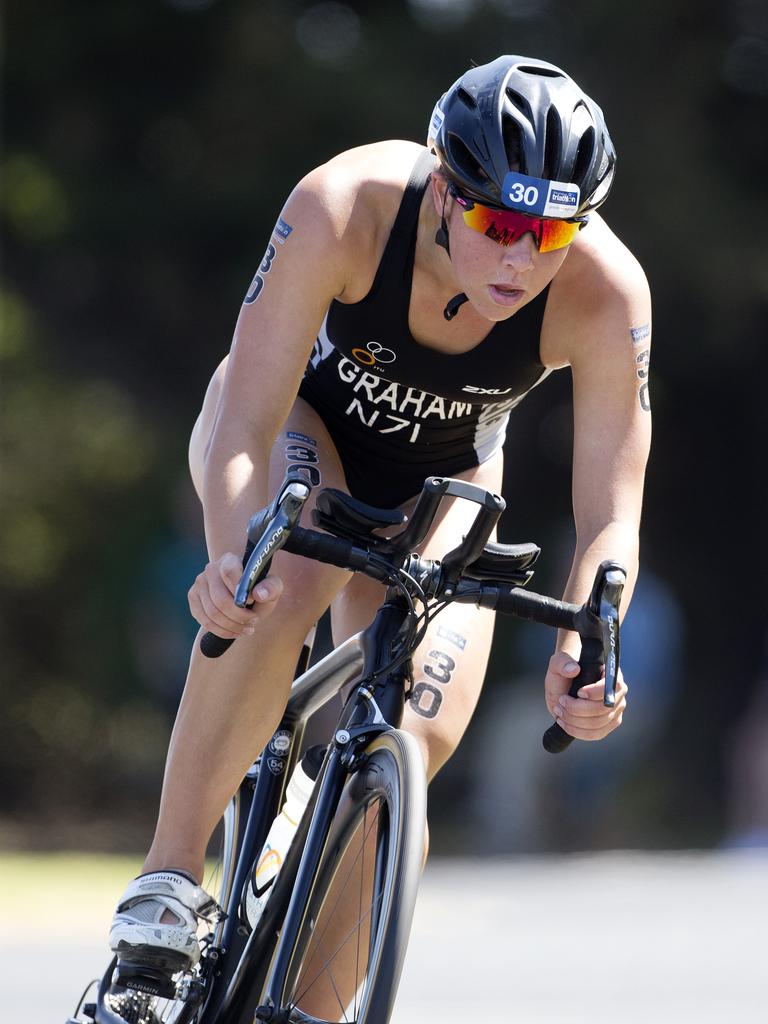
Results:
149 147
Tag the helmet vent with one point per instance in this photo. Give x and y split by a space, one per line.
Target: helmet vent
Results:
511 136
466 99
602 189
463 160
584 156
520 102
543 72
553 141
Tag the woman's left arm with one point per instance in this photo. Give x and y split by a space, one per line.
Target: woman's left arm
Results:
609 351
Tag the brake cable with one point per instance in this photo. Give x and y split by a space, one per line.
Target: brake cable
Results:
400 579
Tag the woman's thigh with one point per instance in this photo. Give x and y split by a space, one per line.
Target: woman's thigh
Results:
450 664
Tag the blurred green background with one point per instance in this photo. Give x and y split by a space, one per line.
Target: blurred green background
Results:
148 148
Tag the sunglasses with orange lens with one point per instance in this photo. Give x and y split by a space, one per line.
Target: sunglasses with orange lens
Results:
506 226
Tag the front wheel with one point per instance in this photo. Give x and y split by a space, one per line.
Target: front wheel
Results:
349 953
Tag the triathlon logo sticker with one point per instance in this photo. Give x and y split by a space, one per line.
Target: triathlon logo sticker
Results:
294 435
454 637
282 230
374 354
640 333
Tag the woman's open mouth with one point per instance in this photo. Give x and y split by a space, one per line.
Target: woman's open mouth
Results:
505 294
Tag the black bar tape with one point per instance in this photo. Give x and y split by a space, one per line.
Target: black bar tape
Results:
555 739
536 607
211 645
322 547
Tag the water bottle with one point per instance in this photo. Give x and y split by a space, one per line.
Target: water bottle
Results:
270 860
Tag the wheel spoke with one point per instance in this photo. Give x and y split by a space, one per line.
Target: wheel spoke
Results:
315 982
329 914
335 953
336 993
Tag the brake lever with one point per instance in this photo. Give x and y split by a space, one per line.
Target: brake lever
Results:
609 602
598 626
269 540
268 530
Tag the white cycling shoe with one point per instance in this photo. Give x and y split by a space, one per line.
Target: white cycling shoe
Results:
139 936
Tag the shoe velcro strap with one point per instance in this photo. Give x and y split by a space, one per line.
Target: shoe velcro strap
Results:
205 906
166 886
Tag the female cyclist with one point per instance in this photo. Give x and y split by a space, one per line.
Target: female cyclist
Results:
408 299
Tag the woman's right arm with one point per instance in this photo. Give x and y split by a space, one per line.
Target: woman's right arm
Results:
303 269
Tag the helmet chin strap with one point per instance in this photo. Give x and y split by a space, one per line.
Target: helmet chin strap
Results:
441 238
452 308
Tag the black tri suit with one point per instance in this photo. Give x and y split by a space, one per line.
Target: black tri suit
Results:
398 411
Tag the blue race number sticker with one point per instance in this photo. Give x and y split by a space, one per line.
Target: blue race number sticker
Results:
540 197
282 230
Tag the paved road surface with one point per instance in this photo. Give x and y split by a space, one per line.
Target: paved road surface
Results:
619 938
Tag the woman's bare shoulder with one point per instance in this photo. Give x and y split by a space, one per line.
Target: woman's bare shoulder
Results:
359 192
600 282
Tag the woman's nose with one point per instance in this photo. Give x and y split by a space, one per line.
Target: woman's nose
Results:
521 255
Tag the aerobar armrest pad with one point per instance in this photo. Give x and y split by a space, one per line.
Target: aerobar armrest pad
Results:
345 516
503 562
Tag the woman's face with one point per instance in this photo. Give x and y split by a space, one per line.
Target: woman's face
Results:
496 279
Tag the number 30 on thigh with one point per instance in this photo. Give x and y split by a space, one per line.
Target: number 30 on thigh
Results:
427 694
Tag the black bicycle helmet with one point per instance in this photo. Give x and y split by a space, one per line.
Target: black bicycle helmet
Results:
520 114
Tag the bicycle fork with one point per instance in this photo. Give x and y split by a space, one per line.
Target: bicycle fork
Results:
329 789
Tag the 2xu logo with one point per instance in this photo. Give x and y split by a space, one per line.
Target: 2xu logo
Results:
485 391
